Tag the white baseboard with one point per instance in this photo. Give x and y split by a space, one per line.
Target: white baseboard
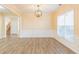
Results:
36 33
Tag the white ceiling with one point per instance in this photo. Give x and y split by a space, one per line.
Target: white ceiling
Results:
28 8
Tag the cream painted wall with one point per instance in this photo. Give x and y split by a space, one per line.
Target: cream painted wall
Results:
30 21
36 27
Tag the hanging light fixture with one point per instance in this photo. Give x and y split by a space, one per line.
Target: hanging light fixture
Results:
38 12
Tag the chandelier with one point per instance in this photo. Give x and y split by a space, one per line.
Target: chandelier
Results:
38 12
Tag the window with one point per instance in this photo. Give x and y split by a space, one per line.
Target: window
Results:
65 25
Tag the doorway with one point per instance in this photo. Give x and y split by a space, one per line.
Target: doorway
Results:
11 26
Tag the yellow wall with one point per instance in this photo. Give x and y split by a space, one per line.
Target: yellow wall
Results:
53 21
65 8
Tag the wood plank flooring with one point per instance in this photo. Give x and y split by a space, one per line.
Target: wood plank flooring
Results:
32 46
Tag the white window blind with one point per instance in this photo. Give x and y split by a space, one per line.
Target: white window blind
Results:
65 25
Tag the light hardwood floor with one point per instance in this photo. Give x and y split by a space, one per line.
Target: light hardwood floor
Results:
32 46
